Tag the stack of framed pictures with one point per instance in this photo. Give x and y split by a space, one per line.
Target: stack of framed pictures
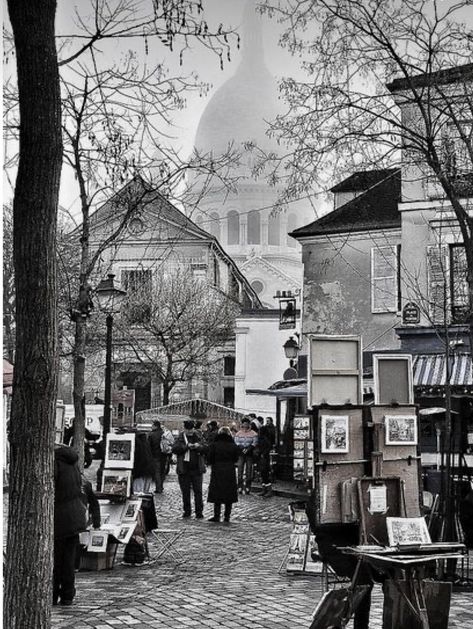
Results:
119 459
303 448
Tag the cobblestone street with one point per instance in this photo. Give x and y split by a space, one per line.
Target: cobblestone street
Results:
229 578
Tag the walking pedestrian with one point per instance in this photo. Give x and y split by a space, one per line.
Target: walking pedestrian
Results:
69 521
264 463
222 455
246 440
159 457
190 467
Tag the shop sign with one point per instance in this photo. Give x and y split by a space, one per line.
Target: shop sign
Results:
411 313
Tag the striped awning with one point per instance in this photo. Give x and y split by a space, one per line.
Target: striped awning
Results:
431 370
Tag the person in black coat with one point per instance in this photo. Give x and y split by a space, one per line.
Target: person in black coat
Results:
69 521
143 467
222 455
264 462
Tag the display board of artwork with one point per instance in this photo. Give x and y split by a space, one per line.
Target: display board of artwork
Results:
120 520
335 370
338 456
303 452
299 540
397 431
379 497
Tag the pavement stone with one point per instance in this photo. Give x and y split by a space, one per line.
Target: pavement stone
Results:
229 578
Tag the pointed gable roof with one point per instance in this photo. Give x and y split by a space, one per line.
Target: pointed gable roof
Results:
376 208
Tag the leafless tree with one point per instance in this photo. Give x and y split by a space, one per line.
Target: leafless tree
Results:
377 84
176 325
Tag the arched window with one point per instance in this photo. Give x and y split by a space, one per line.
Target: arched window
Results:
274 229
291 226
233 228
214 225
254 228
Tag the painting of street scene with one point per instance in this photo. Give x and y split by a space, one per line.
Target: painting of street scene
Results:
401 430
405 531
120 451
334 433
116 482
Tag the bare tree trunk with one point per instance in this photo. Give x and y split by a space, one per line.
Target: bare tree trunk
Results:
78 388
27 596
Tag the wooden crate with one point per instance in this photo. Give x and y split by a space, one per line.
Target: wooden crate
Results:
98 561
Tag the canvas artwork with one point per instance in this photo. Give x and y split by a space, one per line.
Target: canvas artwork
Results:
298 465
120 451
125 532
400 430
97 542
302 423
334 433
132 508
301 434
407 531
116 482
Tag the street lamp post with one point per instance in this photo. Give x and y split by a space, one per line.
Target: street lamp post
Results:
109 297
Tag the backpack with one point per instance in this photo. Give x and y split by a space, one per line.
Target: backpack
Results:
167 441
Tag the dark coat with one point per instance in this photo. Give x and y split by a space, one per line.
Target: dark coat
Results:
222 456
154 440
69 508
196 464
144 465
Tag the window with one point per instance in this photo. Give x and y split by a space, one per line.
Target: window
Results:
233 228
138 284
385 280
199 271
274 229
257 286
229 396
254 228
457 145
229 366
458 283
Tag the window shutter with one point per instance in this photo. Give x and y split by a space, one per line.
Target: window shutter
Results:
438 290
384 284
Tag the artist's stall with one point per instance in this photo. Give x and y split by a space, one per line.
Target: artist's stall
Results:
366 505
125 518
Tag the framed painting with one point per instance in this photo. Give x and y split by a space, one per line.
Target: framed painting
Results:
97 541
407 531
116 482
125 532
131 510
401 430
120 451
334 434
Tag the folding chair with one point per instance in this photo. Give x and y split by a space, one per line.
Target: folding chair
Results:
166 540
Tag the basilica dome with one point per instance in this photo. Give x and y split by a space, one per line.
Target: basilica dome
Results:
239 108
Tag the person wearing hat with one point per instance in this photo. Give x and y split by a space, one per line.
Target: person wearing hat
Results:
211 432
190 450
247 440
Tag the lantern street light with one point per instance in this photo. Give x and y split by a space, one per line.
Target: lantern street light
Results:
109 297
291 349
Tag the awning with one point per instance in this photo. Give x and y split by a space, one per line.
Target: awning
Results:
431 370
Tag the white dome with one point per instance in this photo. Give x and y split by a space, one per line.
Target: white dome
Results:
239 108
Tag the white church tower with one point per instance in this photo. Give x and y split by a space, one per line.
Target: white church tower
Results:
244 221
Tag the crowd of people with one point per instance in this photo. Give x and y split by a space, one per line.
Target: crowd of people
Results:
232 454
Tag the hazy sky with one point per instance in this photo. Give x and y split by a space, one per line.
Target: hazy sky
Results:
206 64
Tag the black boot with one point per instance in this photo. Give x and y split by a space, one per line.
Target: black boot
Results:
216 516
228 511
